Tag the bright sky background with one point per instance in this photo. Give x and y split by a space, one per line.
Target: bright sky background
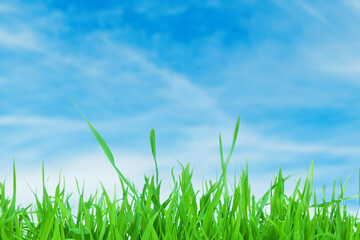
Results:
290 69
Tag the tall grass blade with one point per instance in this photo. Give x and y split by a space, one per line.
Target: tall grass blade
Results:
153 150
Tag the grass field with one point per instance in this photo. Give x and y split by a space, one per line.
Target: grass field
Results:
223 210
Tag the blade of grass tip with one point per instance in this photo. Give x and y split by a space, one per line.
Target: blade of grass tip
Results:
347 179
153 150
11 211
14 179
231 151
107 150
98 137
45 197
221 154
224 165
234 141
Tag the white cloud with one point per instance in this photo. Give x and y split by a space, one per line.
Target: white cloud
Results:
171 85
7 8
27 137
350 66
288 146
183 92
15 120
23 38
312 11
353 4
3 81
338 58
118 65
26 27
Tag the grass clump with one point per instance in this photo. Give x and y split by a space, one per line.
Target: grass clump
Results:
220 212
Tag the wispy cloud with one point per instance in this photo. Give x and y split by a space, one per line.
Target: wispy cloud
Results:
353 4
344 66
7 8
312 11
20 38
6 121
2 81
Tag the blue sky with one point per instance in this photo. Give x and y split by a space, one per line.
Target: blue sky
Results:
290 69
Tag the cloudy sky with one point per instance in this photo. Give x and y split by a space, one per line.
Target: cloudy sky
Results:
289 69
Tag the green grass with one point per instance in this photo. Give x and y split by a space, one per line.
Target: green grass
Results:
221 211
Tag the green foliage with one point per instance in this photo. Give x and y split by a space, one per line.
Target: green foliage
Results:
220 213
